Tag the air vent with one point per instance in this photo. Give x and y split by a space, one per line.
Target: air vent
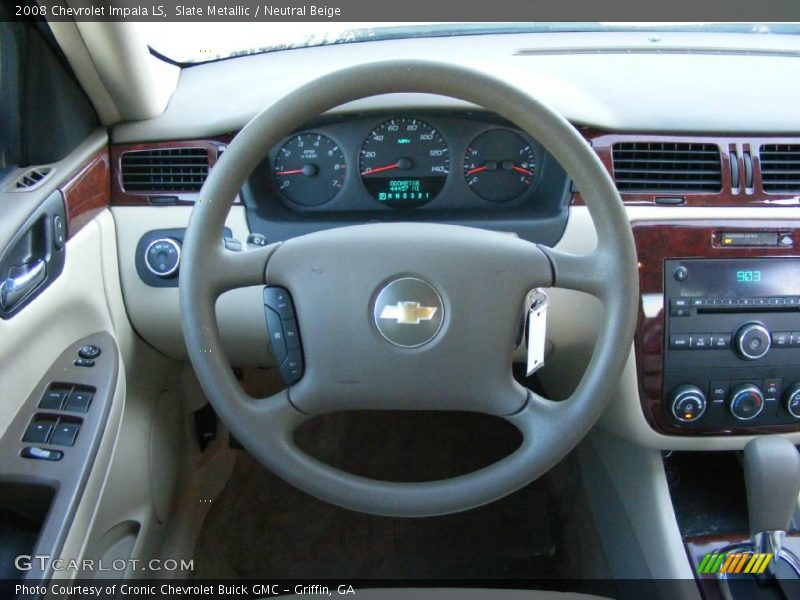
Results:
780 167
30 179
667 167
169 170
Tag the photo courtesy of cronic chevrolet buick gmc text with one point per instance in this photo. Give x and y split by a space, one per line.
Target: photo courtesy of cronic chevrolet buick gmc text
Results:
399 310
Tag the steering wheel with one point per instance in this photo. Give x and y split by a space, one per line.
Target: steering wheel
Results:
476 279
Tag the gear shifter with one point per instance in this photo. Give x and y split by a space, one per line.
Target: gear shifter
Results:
772 477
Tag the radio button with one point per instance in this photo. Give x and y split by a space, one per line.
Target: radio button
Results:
680 274
793 301
679 302
752 341
782 339
700 341
762 301
698 302
679 312
679 342
720 341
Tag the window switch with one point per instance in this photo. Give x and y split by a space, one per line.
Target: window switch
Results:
65 434
38 432
42 453
79 401
54 398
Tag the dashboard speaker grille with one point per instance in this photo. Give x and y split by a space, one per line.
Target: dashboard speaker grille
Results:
780 167
667 167
165 170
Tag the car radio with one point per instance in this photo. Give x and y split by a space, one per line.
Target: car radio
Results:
732 342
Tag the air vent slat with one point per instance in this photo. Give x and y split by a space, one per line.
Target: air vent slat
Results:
780 166
165 170
31 178
667 166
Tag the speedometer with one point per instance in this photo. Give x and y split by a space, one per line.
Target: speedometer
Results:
404 162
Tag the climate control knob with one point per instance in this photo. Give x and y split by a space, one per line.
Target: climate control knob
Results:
752 341
746 402
162 257
688 403
793 400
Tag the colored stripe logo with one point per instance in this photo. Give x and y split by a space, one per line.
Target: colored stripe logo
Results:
734 562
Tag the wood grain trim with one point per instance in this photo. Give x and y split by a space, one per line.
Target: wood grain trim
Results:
87 192
119 197
657 241
603 143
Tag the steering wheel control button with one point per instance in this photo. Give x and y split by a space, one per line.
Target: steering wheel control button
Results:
747 402
278 299
277 341
79 401
292 367
90 351
290 334
753 341
42 453
793 400
162 257
408 312
688 403
53 398
284 335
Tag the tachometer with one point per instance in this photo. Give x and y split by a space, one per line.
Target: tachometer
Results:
404 162
309 169
499 165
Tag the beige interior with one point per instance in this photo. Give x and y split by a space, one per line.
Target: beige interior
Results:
150 488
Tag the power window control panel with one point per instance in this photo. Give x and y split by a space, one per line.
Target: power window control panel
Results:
67 397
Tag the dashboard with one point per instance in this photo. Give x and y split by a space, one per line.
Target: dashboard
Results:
458 167
691 173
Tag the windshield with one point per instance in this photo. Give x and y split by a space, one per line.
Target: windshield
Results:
188 43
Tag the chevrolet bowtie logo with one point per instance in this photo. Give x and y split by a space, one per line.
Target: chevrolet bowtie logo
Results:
409 313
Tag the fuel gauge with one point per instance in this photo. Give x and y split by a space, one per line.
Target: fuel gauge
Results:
499 165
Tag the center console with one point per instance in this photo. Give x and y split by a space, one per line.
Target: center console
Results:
732 342
718 339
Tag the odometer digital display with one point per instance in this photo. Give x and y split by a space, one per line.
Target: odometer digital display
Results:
404 162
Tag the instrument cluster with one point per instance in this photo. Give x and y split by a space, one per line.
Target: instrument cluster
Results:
397 162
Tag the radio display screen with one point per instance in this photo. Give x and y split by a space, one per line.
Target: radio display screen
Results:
740 277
